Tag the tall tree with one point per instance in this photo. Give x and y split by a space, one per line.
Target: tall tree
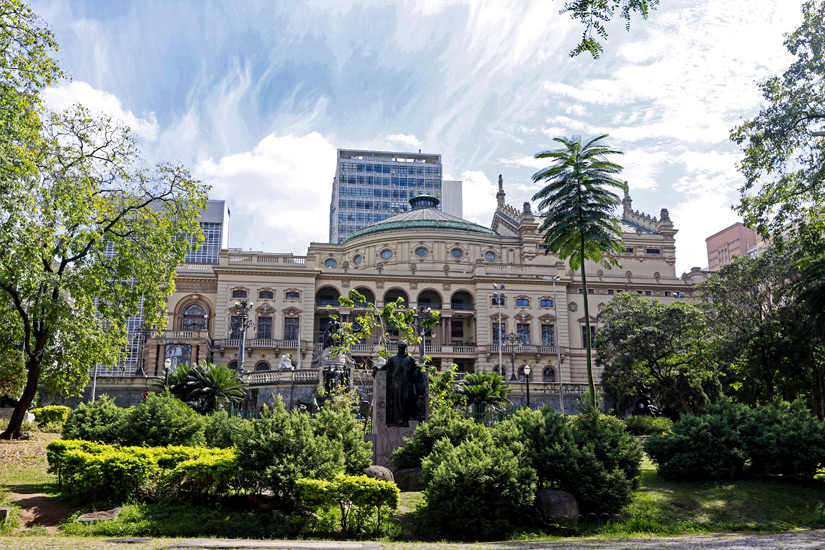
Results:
577 208
645 343
594 13
784 145
765 339
88 238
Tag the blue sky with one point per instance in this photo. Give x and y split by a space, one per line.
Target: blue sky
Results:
255 97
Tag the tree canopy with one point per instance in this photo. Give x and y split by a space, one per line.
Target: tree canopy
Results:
577 208
88 235
784 145
643 343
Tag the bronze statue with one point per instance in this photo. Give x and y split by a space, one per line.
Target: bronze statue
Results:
331 336
406 389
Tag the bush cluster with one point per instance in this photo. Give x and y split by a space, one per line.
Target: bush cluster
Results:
647 425
94 471
363 502
51 414
733 440
481 481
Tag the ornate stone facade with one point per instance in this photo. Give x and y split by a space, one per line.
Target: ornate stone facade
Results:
430 259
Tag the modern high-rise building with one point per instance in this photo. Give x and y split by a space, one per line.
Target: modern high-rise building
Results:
729 243
371 186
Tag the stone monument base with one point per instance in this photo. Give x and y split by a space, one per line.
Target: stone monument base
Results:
385 439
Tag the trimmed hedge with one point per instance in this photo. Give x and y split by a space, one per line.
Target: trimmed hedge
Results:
361 500
50 413
90 471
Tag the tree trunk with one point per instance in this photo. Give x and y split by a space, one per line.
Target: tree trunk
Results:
16 421
587 340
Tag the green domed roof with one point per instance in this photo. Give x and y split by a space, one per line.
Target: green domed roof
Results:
423 215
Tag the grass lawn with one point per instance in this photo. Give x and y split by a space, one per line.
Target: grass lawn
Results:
658 508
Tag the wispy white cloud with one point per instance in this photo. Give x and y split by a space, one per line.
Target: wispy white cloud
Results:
406 141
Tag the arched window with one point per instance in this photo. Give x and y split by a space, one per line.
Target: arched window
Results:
263 365
522 376
194 318
549 375
233 365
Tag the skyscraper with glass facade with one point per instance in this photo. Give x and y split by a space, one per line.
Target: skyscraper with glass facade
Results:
371 186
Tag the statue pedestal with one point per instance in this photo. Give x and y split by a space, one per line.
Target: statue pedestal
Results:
385 439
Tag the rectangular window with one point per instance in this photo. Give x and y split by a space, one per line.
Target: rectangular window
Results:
523 331
591 291
653 251
266 295
548 335
610 291
648 293
291 328
239 294
628 251
584 335
265 327
235 327
522 302
498 301
546 302
667 293
581 291
457 329
498 334
292 295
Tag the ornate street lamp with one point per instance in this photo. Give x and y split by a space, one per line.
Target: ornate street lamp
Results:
423 313
527 375
242 323
512 338
499 298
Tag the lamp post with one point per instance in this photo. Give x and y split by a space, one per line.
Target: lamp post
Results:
555 278
243 323
424 312
527 375
167 366
512 338
499 297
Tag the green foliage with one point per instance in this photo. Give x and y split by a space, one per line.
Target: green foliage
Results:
12 371
646 425
577 208
363 502
92 471
99 420
50 413
222 429
698 448
613 446
485 390
765 341
593 14
282 448
443 423
336 422
162 420
206 387
644 343
442 388
783 146
477 489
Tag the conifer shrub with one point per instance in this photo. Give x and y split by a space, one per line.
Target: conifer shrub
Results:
336 422
99 421
282 448
162 420
222 429
443 423
476 489
646 425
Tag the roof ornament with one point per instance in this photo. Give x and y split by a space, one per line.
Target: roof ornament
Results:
500 195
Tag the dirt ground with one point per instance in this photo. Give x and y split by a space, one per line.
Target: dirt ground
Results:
25 483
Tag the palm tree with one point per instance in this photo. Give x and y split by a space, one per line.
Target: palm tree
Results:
485 390
578 206
213 386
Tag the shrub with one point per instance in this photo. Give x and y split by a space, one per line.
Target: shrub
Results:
698 448
222 429
282 448
51 414
477 489
208 476
613 446
363 502
443 423
646 425
96 421
163 420
336 422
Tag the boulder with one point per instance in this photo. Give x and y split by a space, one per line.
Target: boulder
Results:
379 472
408 479
557 506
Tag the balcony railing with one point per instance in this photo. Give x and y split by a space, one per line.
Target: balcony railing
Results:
325 303
464 349
257 343
180 334
260 378
514 349
460 306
